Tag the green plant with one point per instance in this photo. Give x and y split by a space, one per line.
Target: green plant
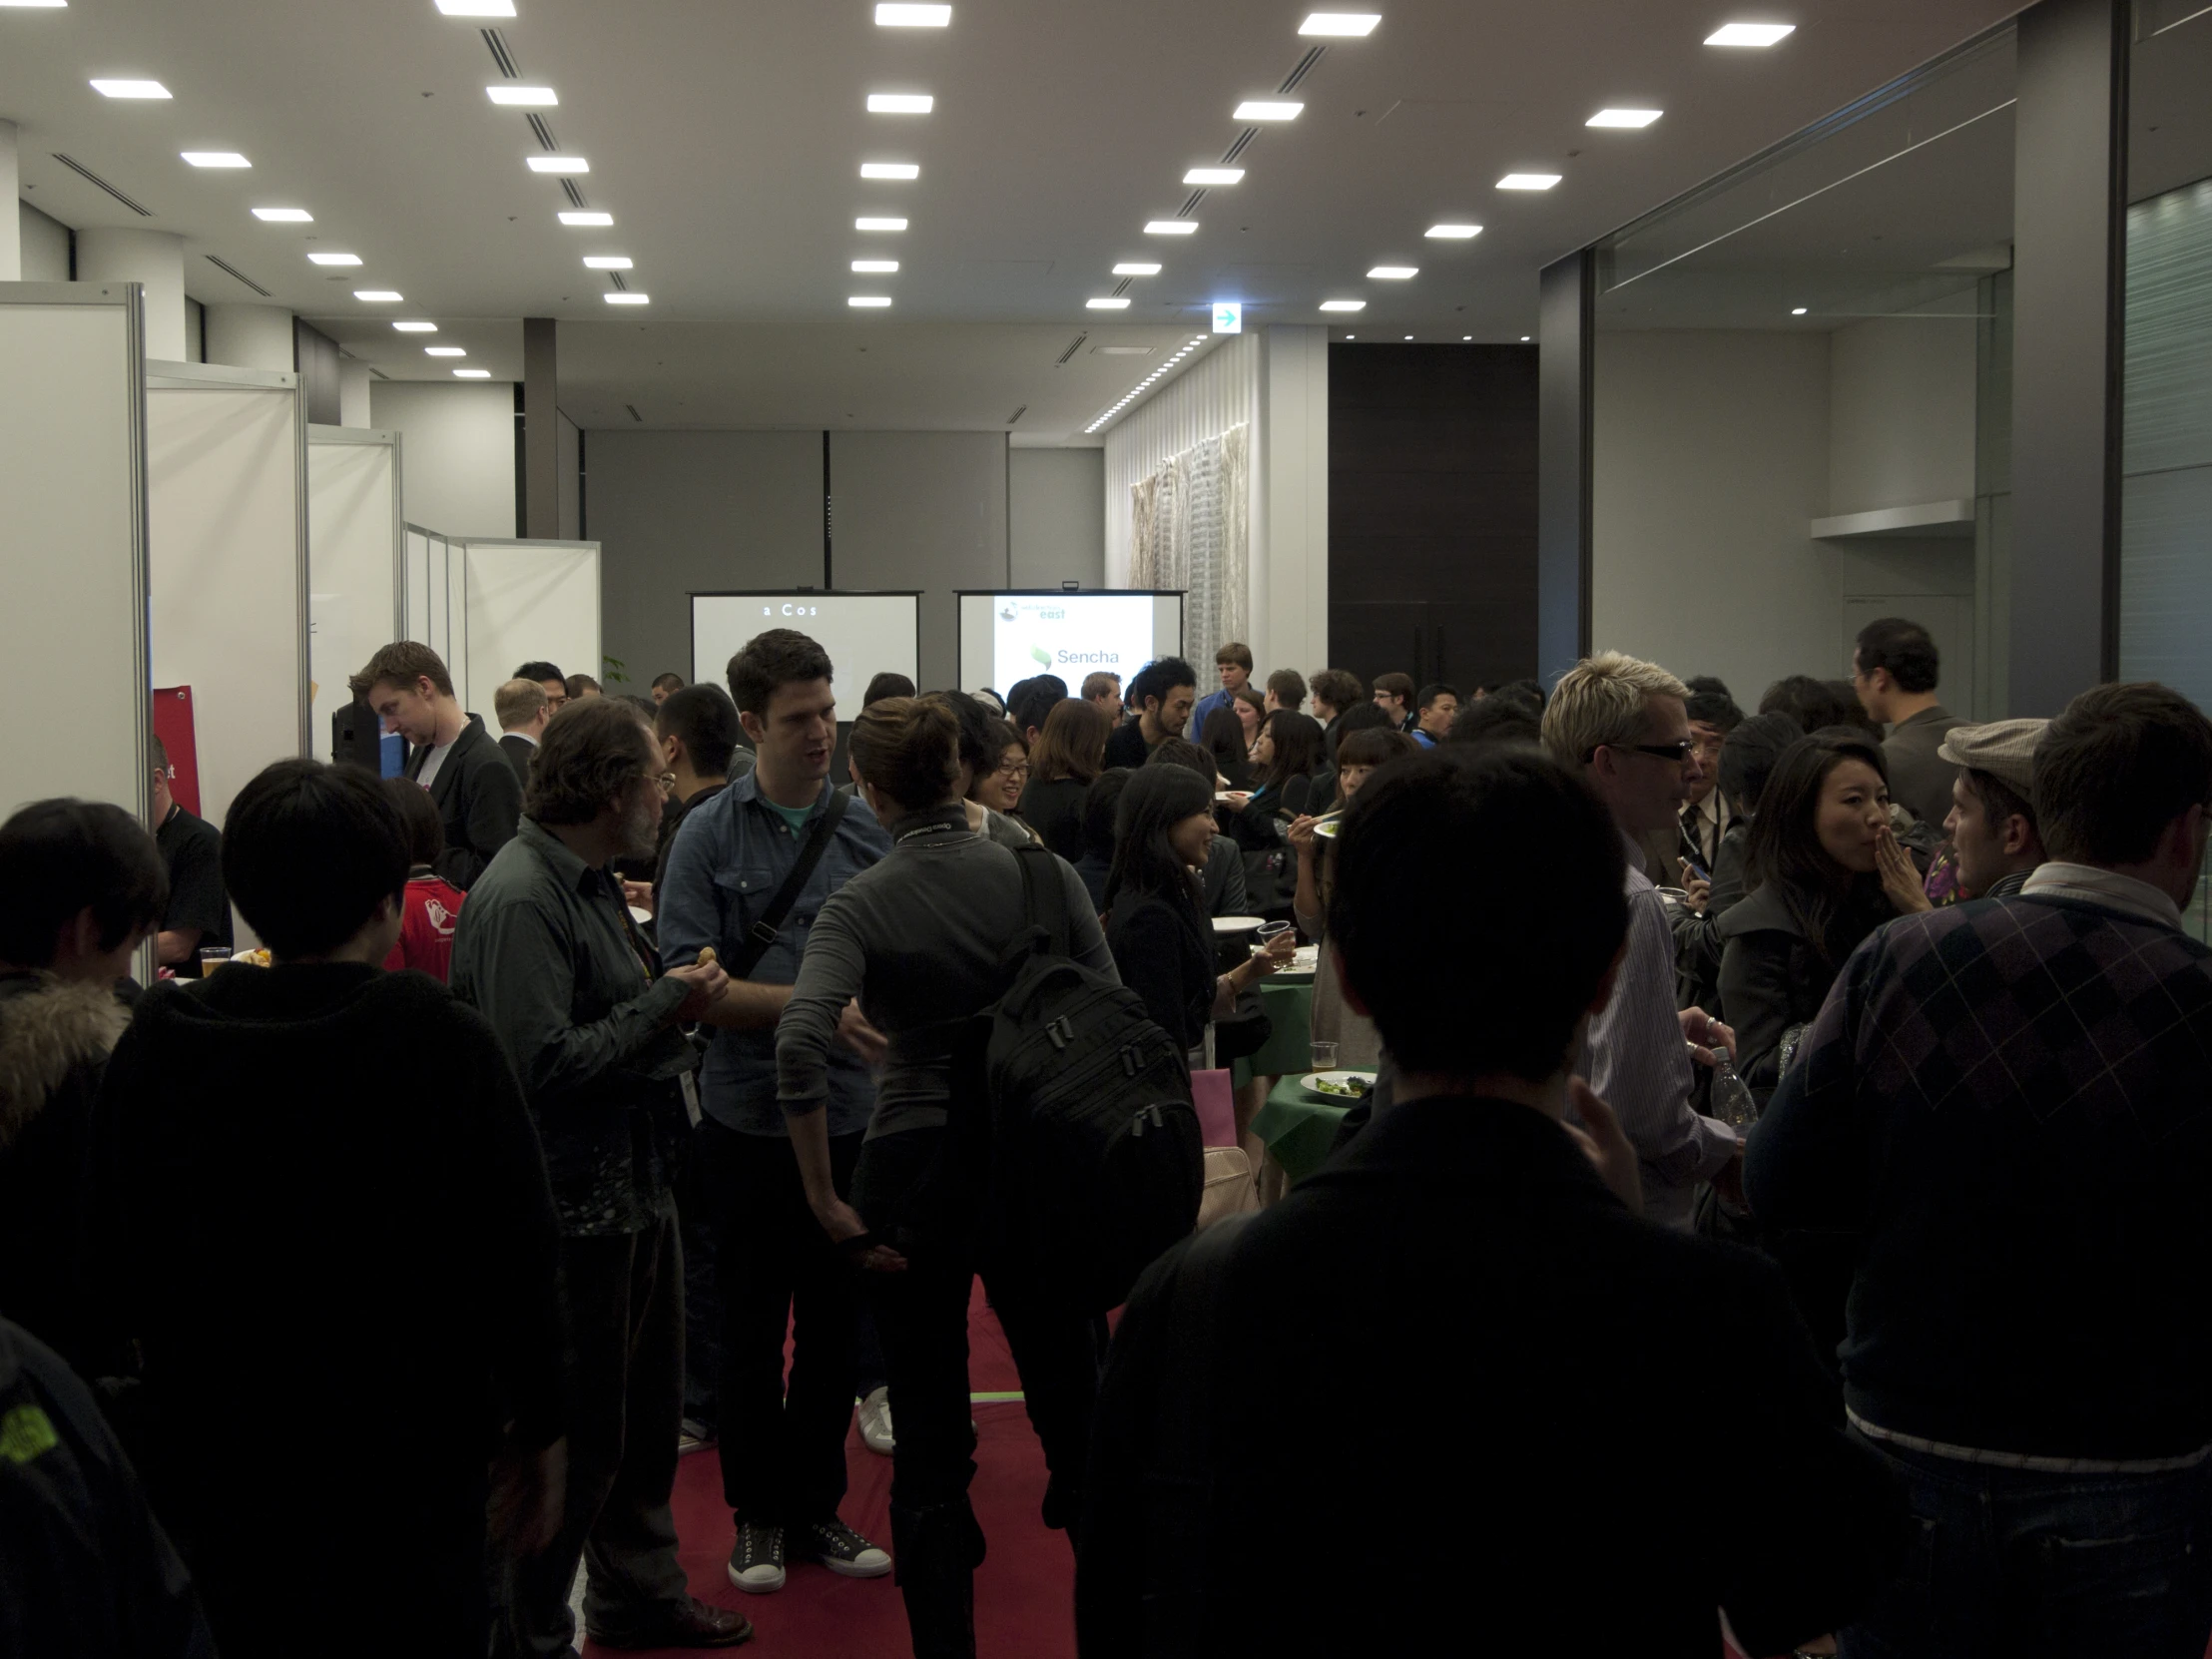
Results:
610 671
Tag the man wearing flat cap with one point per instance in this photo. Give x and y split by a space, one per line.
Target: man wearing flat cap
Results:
1992 814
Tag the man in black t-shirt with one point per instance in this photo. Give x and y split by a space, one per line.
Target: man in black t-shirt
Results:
1162 694
199 913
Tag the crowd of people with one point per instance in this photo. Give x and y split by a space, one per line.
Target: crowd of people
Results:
1785 1164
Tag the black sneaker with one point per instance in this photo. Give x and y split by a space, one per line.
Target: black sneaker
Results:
757 1559
839 1548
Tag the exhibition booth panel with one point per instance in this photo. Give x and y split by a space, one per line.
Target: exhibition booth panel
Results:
73 473
512 601
357 540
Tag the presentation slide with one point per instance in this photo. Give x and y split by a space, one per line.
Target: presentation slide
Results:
1007 637
865 633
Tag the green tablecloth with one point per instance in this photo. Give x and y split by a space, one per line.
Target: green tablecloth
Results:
1296 1127
1289 1051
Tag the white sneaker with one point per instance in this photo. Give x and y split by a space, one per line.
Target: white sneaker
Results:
876 1421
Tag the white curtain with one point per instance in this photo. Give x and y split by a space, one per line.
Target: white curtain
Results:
1189 528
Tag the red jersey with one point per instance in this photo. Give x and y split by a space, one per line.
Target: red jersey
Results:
427 926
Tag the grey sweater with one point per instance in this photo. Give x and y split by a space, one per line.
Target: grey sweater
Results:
922 939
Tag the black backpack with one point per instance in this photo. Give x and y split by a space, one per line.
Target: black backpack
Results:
1095 1157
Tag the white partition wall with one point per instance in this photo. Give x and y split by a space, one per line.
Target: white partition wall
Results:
357 539
226 465
73 477
415 584
517 599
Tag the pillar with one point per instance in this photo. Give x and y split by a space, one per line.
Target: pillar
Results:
1566 338
541 430
154 259
11 217
354 379
1290 463
250 336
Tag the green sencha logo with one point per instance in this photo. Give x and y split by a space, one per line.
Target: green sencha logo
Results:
1041 653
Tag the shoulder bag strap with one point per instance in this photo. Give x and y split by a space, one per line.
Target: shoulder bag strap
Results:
763 932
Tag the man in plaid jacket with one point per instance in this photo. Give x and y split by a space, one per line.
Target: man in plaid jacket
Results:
2008 1106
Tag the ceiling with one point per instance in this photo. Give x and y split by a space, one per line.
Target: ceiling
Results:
725 140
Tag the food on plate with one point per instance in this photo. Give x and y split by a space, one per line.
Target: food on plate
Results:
1349 1084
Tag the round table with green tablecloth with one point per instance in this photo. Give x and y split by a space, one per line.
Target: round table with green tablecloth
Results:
1298 1126
1289 1005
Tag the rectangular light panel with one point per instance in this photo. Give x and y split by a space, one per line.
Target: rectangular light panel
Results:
130 89
1213 176
1529 180
874 267
536 98
1135 268
889 16
1171 227
868 301
587 219
890 170
1113 302
472 374
559 163
606 261
1749 34
477 7
1267 109
1395 273
1354 24
900 103
284 216
1454 232
1343 305
878 225
628 299
334 259
443 351
415 326
1624 118
215 158
379 297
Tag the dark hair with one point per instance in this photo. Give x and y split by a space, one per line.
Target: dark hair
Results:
1339 688
1222 736
1852 712
1494 719
401 664
1030 704
1812 703
981 747
909 748
668 682
308 852
2118 766
1998 799
1429 693
886 684
705 722
59 856
1158 679
778 657
593 751
1373 746
1155 799
1400 686
578 684
1701 684
1287 686
1904 647
1786 849
1001 737
1072 742
540 670
1100 803
1296 748
1234 654
647 710
1181 752
1364 717
418 819
1463 979
1747 755
1715 709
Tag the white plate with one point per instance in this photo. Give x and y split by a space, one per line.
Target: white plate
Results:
1327 827
1309 1081
640 917
1239 924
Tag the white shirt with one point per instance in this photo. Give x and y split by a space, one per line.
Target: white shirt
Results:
2095 885
524 736
437 759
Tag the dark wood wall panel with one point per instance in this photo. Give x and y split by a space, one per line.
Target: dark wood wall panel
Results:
1432 511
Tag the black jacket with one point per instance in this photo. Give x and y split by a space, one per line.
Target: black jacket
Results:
1162 955
519 753
1771 978
1053 806
478 799
1583 1348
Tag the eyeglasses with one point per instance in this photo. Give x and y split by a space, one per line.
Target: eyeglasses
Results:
1014 769
1678 753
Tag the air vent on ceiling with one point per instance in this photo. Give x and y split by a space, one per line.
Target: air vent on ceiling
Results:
1191 207
228 266
83 171
500 55
569 190
1122 287
1075 345
543 132
615 276
1304 69
1121 351
1017 414
634 415
1236 148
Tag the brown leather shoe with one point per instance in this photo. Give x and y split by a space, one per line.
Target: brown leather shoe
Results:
697 1624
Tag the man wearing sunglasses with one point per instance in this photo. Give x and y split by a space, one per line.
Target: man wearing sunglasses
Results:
1624 722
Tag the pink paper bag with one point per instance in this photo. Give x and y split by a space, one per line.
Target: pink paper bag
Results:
1217 1116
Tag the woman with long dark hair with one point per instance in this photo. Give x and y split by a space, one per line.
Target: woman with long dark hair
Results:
1284 760
1070 750
919 940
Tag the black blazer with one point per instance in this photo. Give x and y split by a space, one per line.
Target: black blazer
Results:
518 751
478 800
1467 1245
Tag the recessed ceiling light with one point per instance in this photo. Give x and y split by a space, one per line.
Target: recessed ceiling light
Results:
890 170
624 296
472 374
607 261
1395 273
1343 305
1136 267
378 297
587 219
1112 302
1265 109
1408 336
542 97
900 103
868 301
414 325
1452 232
443 351
874 267
559 163
130 89
1797 311
1624 118
878 225
1351 336
1749 34
912 17
1213 174
1523 338
215 158
1529 180
1170 227
56 4
1340 23
477 7
334 259
284 216
1471 336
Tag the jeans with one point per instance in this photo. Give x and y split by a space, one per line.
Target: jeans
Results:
916 1195
624 1293
2029 1565
781 1443
702 1301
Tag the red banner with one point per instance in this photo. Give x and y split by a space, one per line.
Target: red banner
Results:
172 725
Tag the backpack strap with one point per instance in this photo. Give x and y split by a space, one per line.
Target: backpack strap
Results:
1045 897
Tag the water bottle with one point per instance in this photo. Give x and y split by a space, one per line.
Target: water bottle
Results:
1732 1101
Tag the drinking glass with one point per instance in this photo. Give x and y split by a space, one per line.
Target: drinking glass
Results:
1325 1056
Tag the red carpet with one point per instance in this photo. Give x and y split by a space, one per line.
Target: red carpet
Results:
1024 1592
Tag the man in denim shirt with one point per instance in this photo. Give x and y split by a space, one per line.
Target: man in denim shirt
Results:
782 1444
